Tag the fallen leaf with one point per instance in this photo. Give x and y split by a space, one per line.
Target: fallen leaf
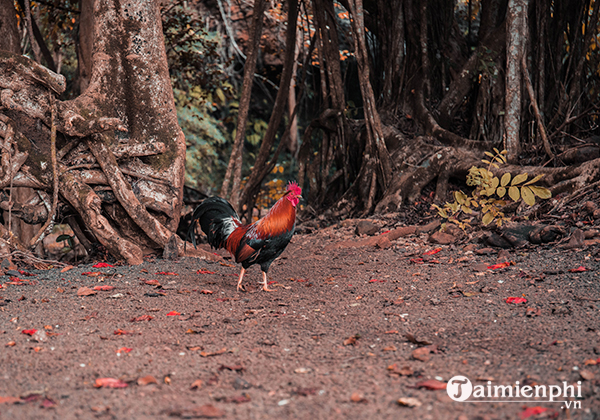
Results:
152 282
417 261
102 265
587 375
499 265
142 318
103 288
405 371
351 341
238 399
10 400
376 281
516 300
578 269
197 384
86 291
124 350
109 383
190 331
431 385
389 348
124 332
60 290
206 292
215 353
147 380
422 354
67 268
29 332
357 398
92 273
532 411
533 312
391 332
195 348
10 344
173 313
48 403
419 341
305 392
409 402
167 380
587 362
167 273
433 251
204 271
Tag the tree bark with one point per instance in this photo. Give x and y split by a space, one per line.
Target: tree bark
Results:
516 36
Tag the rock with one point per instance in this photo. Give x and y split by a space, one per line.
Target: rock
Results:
545 234
576 241
365 227
171 251
471 248
590 206
384 242
503 255
495 240
484 251
441 238
589 234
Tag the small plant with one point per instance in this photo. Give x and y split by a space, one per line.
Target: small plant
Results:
490 193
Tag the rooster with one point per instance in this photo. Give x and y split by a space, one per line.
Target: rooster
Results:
258 243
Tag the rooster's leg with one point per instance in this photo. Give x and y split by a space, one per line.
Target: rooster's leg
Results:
239 286
265 287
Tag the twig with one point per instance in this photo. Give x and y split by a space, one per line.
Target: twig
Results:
52 214
536 110
29 256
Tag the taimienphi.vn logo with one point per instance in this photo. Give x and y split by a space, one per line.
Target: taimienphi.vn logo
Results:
461 389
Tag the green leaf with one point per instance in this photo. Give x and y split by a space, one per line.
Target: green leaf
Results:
543 193
534 180
528 196
514 194
487 219
501 192
505 179
518 179
460 197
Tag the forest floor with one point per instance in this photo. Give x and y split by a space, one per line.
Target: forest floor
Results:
348 333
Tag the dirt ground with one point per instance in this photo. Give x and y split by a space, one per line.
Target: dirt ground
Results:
347 333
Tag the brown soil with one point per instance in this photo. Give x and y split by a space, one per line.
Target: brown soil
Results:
319 347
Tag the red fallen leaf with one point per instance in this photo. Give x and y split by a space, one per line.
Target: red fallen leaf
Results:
124 350
142 318
25 273
13 278
417 260
433 251
376 281
578 269
532 411
516 300
28 332
86 291
10 400
102 265
48 403
272 282
206 292
124 332
109 383
104 288
173 313
499 265
204 271
431 385
167 273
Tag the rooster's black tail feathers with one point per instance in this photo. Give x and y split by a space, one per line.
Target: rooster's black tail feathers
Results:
214 215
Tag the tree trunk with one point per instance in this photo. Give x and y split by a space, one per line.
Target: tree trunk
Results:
516 37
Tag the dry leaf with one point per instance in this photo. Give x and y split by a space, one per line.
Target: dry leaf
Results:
409 402
431 384
147 380
357 397
103 288
142 318
390 348
587 375
197 384
67 268
109 383
86 291
216 353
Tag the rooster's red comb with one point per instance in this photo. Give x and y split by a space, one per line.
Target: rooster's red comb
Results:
294 188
